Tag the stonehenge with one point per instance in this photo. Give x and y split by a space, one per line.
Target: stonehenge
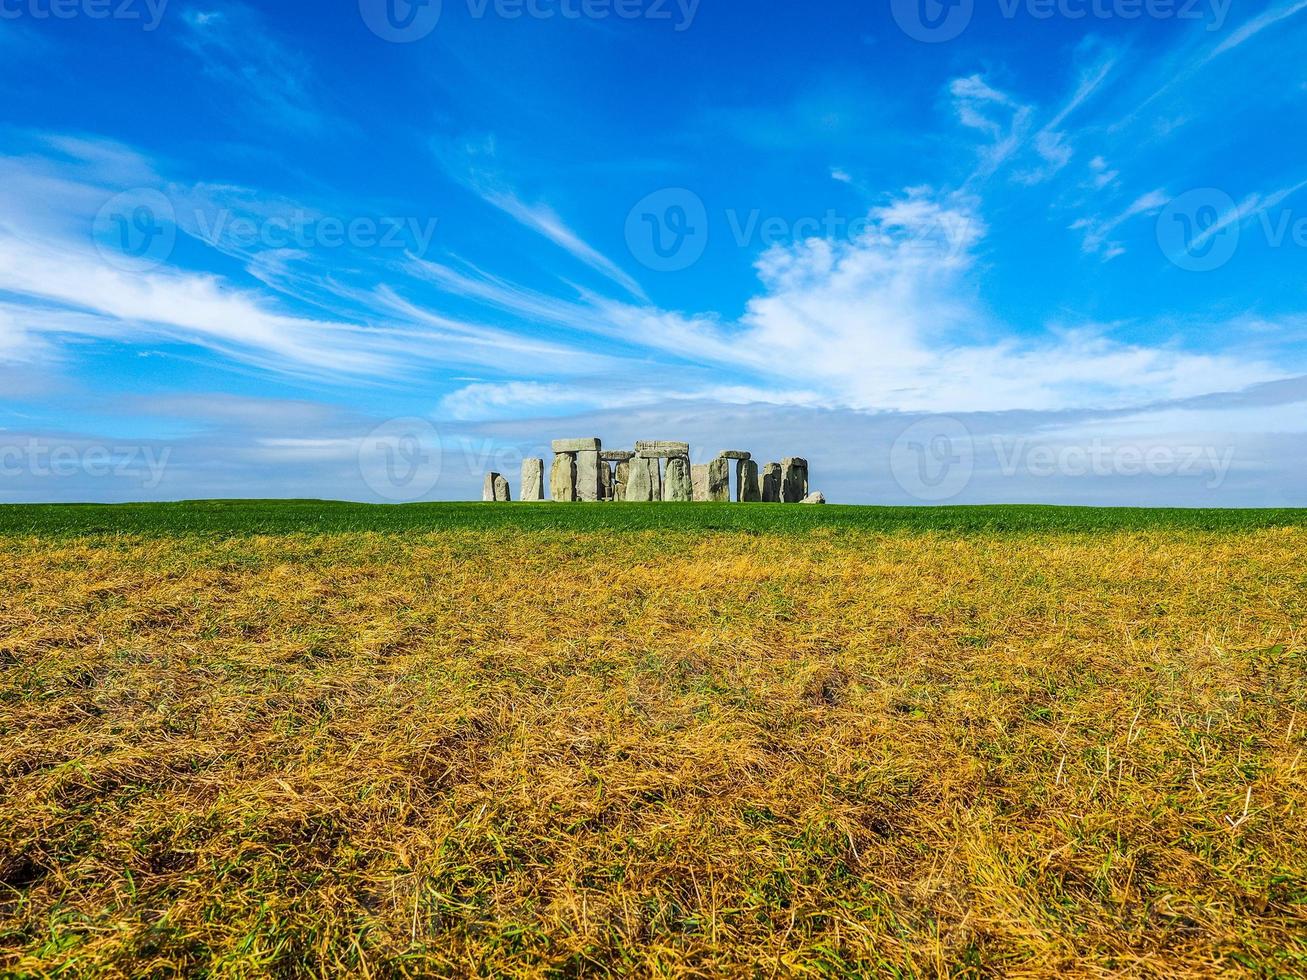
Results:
655 470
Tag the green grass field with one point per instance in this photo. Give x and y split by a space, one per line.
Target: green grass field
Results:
306 738
327 517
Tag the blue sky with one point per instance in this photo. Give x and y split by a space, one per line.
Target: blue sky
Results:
996 250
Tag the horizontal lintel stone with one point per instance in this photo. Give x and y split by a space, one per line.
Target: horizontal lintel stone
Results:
576 446
734 454
617 456
655 449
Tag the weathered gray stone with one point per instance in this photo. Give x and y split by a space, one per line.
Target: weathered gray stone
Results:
735 454
747 488
616 455
620 479
814 498
677 485
656 449
488 488
577 445
699 481
533 479
794 479
642 480
605 480
502 494
719 480
587 476
562 479
771 483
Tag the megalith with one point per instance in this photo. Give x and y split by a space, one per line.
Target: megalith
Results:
562 478
719 480
794 479
620 479
605 480
587 476
502 494
488 487
747 488
699 481
771 483
533 479
643 482
677 486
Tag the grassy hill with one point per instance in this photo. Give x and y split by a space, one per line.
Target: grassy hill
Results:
451 739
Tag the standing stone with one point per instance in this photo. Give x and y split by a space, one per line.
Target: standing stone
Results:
748 490
699 480
642 485
719 481
771 483
502 494
488 488
587 476
620 479
678 487
562 478
533 479
605 481
794 479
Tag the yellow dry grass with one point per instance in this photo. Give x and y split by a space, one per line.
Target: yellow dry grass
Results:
554 753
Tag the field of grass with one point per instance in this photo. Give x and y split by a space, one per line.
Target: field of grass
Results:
671 740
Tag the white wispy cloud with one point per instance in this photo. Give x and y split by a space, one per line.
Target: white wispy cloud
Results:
542 218
1252 28
1097 231
237 49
